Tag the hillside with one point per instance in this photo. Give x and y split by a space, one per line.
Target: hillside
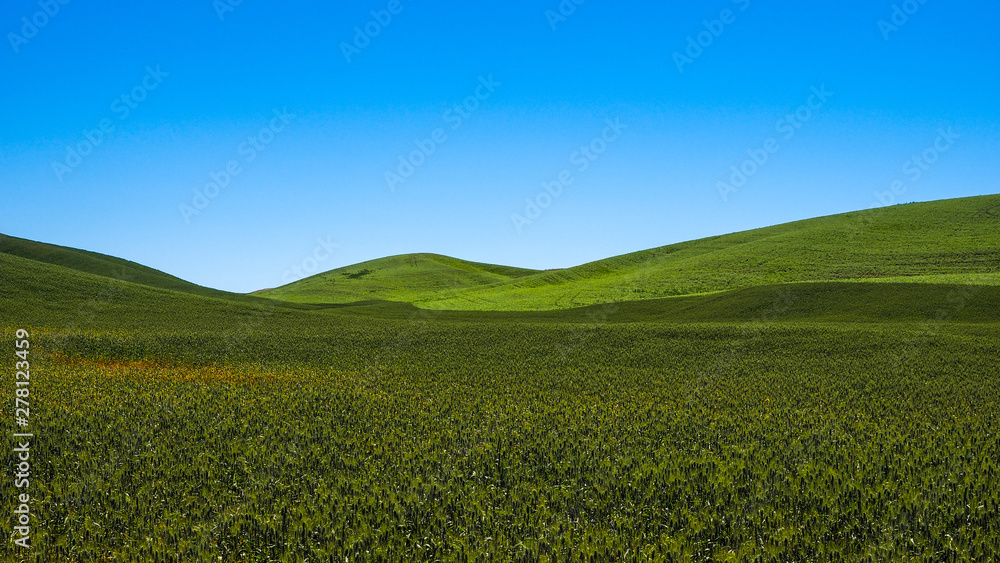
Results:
782 396
408 278
945 241
39 295
105 266
942 243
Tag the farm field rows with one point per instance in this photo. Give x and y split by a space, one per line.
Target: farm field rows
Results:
520 442
792 417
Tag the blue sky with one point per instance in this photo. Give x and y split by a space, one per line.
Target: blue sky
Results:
277 123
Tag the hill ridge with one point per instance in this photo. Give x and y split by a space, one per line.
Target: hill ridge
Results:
944 241
952 237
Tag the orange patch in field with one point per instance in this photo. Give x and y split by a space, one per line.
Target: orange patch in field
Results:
162 370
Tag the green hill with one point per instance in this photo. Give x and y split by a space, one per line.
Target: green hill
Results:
949 241
942 244
807 411
41 295
105 266
409 278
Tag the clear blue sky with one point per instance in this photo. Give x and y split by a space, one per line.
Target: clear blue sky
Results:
201 82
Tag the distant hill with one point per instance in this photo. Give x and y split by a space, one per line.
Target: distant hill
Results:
38 295
105 266
948 241
938 245
409 278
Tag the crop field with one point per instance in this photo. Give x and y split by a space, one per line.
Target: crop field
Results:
500 282
808 419
475 441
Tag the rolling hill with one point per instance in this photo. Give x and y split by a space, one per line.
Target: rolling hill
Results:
948 241
106 267
408 278
42 295
871 256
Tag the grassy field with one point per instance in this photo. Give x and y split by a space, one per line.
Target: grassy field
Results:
461 440
787 418
918 240
408 278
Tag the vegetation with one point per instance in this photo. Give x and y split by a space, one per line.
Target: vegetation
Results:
793 420
104 266
413 440
918 242
407 278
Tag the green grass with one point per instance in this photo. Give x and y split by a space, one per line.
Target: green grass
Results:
450 441
42 295
943 242
408 278
951 240
104 266
778 417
